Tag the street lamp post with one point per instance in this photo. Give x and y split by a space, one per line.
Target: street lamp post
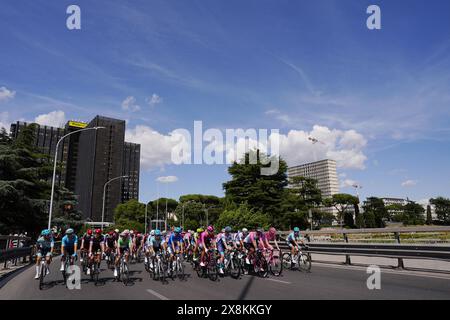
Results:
145 221
54 169
104 193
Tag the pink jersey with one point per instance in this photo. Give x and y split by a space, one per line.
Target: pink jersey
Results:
205 237
270 236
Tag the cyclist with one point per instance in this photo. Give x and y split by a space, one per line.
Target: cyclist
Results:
224 241
110 241
255 240
69 244
138 243
147 243
96 249
187 239
271 235
124 244
156 244
196 240
239 238
44 246
293 240
174 244
85 243
206 242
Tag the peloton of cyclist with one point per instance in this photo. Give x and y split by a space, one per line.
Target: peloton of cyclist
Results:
69 244
44 246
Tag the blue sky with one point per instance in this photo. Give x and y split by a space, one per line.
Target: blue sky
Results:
378 100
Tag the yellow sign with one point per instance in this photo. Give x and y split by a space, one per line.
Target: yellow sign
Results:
77 124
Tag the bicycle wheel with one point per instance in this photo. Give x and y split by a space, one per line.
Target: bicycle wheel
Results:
163 271
287 260
276 267
41 276
262 267
180 270
235 268
212 269
304 262
96 273
125 274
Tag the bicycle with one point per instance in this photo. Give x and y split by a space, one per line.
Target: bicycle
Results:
110 259
303 260
275 264
160 267
43 271
67 263
123 272
232 264
260 264
84 261
178 270
95 268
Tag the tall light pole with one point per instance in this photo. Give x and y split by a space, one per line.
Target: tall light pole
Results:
104 194
145 221
54 169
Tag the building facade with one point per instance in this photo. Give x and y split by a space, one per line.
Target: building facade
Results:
91 158
323 171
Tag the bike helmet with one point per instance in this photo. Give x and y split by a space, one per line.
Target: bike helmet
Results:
227 229
126 231
244 230
296 229
116 230
200 230
153 232
131 232
210 229
89 232
45 232
191 232
157 233
69 231
98 231
111 233
164 232
177 230
272 230
260 230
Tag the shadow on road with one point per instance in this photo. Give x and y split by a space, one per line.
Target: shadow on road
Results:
246 288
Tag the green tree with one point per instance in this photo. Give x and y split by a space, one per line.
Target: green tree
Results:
375 213
243 217
442 209
341 202
263 193
413 214
130 215
24 183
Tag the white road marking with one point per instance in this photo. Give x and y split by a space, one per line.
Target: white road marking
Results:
156 294
275 280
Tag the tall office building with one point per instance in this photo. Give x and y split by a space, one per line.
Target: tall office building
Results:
91 158
323 171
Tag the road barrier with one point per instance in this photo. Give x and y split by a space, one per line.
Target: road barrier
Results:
397 250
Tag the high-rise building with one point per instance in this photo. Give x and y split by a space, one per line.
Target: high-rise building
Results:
91 158
323 171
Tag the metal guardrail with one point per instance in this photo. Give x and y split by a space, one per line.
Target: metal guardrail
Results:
397 250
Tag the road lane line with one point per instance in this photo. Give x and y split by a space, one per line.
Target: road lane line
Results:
286 282
156 294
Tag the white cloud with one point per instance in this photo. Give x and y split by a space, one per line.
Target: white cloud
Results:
346 147
154 100
129 104
53 119
6 94
167 179
409 183
156 148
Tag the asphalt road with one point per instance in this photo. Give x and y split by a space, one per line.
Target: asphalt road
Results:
323 282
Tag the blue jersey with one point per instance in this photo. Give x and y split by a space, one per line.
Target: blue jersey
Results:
175 238
291 237
69 242
42 243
